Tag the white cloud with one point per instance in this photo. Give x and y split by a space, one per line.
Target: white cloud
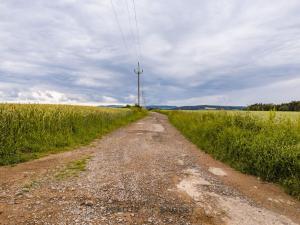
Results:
43 96
109 100
217 49
55 97
89 82
273 93
131 98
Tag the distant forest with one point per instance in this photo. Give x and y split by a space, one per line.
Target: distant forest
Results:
292 106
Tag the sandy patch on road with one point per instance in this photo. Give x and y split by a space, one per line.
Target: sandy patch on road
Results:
217 171
237 210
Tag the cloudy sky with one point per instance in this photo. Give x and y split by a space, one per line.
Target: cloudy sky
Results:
227 52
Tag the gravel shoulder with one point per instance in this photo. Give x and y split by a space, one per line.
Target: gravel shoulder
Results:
145 173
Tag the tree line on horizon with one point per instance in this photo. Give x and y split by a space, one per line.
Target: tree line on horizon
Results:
291 106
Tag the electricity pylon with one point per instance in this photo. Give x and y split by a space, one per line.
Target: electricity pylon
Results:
139 71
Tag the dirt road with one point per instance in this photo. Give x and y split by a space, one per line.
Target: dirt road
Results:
146 173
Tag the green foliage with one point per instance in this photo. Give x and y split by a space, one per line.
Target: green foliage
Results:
267 147
292 106
30 131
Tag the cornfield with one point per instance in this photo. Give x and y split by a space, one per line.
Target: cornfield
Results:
29 131
265 144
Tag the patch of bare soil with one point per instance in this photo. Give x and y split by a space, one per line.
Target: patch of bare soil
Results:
145 173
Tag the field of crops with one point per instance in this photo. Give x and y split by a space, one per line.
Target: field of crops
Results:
265 144
30 131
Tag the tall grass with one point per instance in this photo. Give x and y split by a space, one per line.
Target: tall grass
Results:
29 131
265 146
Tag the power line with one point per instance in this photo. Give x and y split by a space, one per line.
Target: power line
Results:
139 52
119 25
132 30
138 70
137 28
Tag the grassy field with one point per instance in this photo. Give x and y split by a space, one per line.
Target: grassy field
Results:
31 131
265 144
278 116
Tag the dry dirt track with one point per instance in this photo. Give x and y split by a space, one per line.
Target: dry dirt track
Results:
146 173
